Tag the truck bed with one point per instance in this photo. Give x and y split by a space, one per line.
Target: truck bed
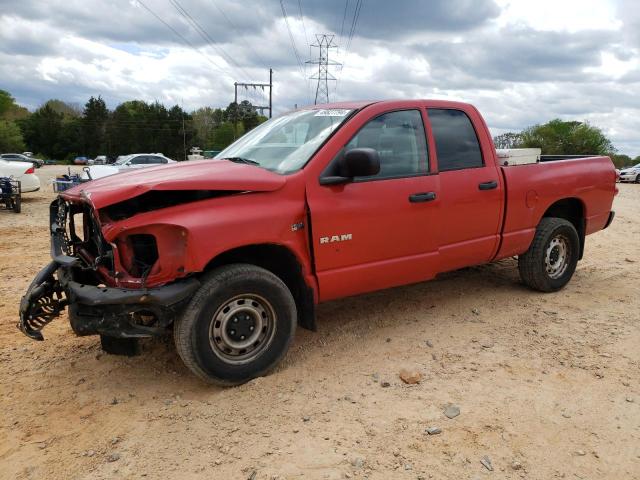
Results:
532 189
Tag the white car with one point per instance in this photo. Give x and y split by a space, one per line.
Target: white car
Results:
99 160
127 162
631 174
22 171
21 157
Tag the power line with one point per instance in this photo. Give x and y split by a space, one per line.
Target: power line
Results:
344 17
293 42
306 39
184 39
240 35
205 36
352 31
354 23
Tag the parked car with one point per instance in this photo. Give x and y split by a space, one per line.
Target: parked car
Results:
316 205
127 163
80 160
631 174
20 157
24 172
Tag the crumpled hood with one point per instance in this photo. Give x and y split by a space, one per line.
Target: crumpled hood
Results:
190 175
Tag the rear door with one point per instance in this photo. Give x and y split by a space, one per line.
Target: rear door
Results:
471 190
378 231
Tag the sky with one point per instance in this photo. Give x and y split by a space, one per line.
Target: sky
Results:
520 62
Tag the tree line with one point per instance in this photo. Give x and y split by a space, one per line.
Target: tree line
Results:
559 137
61 131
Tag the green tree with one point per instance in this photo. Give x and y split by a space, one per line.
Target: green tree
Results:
244 114
621 161
566 138
10 137
9 109
71 139
507 140
42 130
205 121
94 126
6 102
137 126
223 136
68 110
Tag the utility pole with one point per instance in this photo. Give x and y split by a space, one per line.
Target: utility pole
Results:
324 44
270 91
184 133
262 86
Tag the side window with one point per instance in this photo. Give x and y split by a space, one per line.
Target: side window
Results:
457 145
139 160
400 141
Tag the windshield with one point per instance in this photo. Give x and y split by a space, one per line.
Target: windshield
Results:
285 144
122 160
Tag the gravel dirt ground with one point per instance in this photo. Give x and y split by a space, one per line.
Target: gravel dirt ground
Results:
548 385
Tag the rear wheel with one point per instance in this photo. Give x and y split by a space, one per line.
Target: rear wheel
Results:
552 258
638 178
17 205
238 326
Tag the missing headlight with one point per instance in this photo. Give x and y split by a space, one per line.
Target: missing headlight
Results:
145 254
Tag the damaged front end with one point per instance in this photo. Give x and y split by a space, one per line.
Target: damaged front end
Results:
93 281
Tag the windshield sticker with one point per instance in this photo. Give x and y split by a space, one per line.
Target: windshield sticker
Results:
334 112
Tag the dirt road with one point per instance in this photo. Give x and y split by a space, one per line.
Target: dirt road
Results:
548 386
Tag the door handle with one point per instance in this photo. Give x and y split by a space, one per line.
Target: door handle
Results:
422 197
488 185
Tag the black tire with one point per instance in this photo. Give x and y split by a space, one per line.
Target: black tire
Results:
262 308
638 178
542 266
17 205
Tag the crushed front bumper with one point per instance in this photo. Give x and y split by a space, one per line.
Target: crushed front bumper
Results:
93 308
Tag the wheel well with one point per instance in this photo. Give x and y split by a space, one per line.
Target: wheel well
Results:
281 262
570 209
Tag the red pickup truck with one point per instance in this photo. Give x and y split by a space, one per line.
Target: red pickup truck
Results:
318 204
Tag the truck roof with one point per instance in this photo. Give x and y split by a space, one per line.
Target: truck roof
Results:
393 102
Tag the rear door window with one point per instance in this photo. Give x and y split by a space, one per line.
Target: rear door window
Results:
457 144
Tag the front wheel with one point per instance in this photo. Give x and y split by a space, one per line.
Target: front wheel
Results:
552 258
638 178
238 326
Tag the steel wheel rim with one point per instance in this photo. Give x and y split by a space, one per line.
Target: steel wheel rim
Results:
242 328
557 257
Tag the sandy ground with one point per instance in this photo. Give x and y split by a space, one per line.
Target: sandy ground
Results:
548 386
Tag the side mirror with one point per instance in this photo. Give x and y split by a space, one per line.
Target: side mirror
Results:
357 162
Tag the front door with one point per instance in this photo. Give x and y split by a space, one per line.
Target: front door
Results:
377 232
